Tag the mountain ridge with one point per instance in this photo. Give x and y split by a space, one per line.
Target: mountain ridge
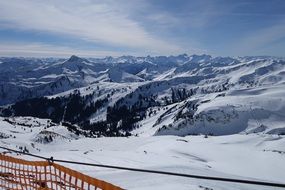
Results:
150 95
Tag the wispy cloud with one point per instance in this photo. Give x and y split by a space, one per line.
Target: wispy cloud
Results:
47 50
144 27
93 21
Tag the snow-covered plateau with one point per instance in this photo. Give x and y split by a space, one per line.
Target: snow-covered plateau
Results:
198 114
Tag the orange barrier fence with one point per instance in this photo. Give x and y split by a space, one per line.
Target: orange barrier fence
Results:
18 174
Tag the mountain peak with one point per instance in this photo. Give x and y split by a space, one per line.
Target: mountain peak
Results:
200 58
74 58
183 55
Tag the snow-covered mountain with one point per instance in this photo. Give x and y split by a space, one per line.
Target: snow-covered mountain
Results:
198 114
160 95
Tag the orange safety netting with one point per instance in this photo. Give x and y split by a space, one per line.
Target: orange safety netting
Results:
18 174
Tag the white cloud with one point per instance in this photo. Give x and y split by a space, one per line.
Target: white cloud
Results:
94 21
12 49
46 50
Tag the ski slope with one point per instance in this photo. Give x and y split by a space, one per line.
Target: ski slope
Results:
253 156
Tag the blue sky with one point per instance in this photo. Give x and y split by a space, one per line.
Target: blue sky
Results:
94 28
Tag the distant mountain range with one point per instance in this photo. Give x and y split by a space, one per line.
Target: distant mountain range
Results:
181 95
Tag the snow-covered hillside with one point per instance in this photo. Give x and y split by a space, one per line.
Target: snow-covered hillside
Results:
178 95
22 133
251 156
